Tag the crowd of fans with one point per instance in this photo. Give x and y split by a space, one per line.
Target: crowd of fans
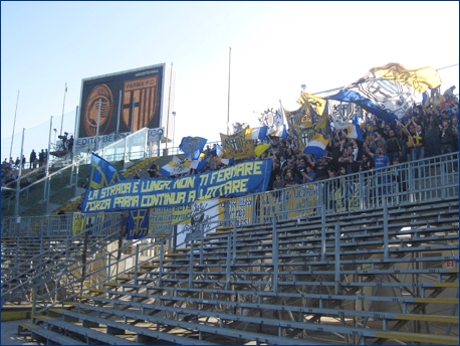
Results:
425 131
10 168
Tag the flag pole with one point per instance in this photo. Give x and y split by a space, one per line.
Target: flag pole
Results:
228 106
282 112
169 107
63 105
18 181
14 125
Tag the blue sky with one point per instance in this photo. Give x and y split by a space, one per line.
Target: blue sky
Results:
276 47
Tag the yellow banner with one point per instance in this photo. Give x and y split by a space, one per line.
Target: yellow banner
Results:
78 223
303 198
240 209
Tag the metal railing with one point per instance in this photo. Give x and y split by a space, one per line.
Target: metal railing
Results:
61 254
430 179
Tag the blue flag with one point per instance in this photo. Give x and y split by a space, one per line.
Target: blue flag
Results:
352 96
102 173
138 224
192 146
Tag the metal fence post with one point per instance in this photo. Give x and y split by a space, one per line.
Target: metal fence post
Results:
275 256
160 269
337 257
190 267
234 242
227 273
323 233
385 228
136 265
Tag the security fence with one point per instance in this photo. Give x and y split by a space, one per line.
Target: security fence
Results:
430 179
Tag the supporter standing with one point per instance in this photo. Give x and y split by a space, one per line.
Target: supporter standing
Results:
41 158
292 179
70 144
393 145
455 130
346 160
279 183
366 165
432 137
447 137
321 168
418 150
17 163
153 170
380 159
445 116
32 158
283 166
308 175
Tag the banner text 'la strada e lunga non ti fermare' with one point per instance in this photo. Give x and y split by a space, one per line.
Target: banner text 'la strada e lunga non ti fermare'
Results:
238 180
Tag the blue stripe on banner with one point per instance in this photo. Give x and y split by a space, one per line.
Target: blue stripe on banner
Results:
356 98
388 85
314 150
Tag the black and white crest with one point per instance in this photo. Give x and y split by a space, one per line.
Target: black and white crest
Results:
198 221
272 119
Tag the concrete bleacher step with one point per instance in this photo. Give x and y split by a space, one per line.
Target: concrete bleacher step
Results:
381 315
191 326
110 284
321 299
86 332
144 332
47 334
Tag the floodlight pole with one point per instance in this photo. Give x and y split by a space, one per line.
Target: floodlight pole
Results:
169 107
228 107
63 106
174 128
18 181
14 124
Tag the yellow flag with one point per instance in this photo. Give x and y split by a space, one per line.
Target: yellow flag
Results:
420 79
239 145
261 148
318 104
